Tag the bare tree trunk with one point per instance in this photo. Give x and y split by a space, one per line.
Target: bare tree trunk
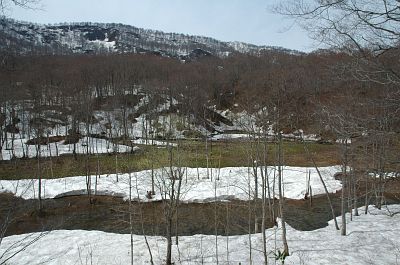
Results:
281 198
12 145
227 233
264 185
343 210
50 156
207 154
366 202
255 168
152 178
169 241
323 184
116 166
344 186
216 221
142 223
130 215
355 197
263 225
249 215
39 177
97 173
172 201
88 180
349 194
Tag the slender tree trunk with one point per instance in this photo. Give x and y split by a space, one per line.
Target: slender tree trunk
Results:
343 210
97 174
344 186
116 166
130 215
88 180
169 241
270 205
207 155
263 225
255 169
171 203
152 178
323 184
142 223
249 215
349 194
281 198
355 197
264 183
227 233
216 222
39 178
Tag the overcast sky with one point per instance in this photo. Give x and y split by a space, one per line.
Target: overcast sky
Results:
228 20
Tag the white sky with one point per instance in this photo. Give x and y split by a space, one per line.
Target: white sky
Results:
227 20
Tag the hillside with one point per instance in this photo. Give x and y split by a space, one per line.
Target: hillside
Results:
87 37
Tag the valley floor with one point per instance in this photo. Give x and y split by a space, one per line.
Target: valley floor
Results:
372 238
198 184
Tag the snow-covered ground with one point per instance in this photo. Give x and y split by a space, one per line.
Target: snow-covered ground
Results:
230 136
198 185
372 239
153 142
93 145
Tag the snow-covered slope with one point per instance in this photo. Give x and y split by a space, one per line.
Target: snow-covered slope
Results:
86 37
371 239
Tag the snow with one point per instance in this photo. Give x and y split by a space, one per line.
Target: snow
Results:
244 124
344 141
270 136
230 136
372 239
110 45
153 142
96 146
221 184
384 175
247 122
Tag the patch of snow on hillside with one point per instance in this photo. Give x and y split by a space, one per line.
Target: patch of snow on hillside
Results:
93 145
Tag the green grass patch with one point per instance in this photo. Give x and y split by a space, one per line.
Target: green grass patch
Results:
188 154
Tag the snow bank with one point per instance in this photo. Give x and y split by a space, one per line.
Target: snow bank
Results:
93 145
198 185
371 239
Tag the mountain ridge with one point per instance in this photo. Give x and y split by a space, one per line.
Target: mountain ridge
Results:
93 37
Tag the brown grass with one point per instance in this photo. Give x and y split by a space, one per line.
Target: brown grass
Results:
190 154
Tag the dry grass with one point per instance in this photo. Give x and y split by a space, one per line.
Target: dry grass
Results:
189 153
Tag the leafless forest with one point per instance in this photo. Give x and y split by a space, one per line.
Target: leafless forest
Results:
163 127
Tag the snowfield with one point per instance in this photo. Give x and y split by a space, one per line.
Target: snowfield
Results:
372 239
198 185
93 145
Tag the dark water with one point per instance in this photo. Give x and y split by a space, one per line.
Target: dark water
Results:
111 214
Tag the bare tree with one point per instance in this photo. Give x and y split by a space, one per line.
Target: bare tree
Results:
360 24
170 189
4 4
368 30
322 181
170 183
10 252
285 251
369 33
